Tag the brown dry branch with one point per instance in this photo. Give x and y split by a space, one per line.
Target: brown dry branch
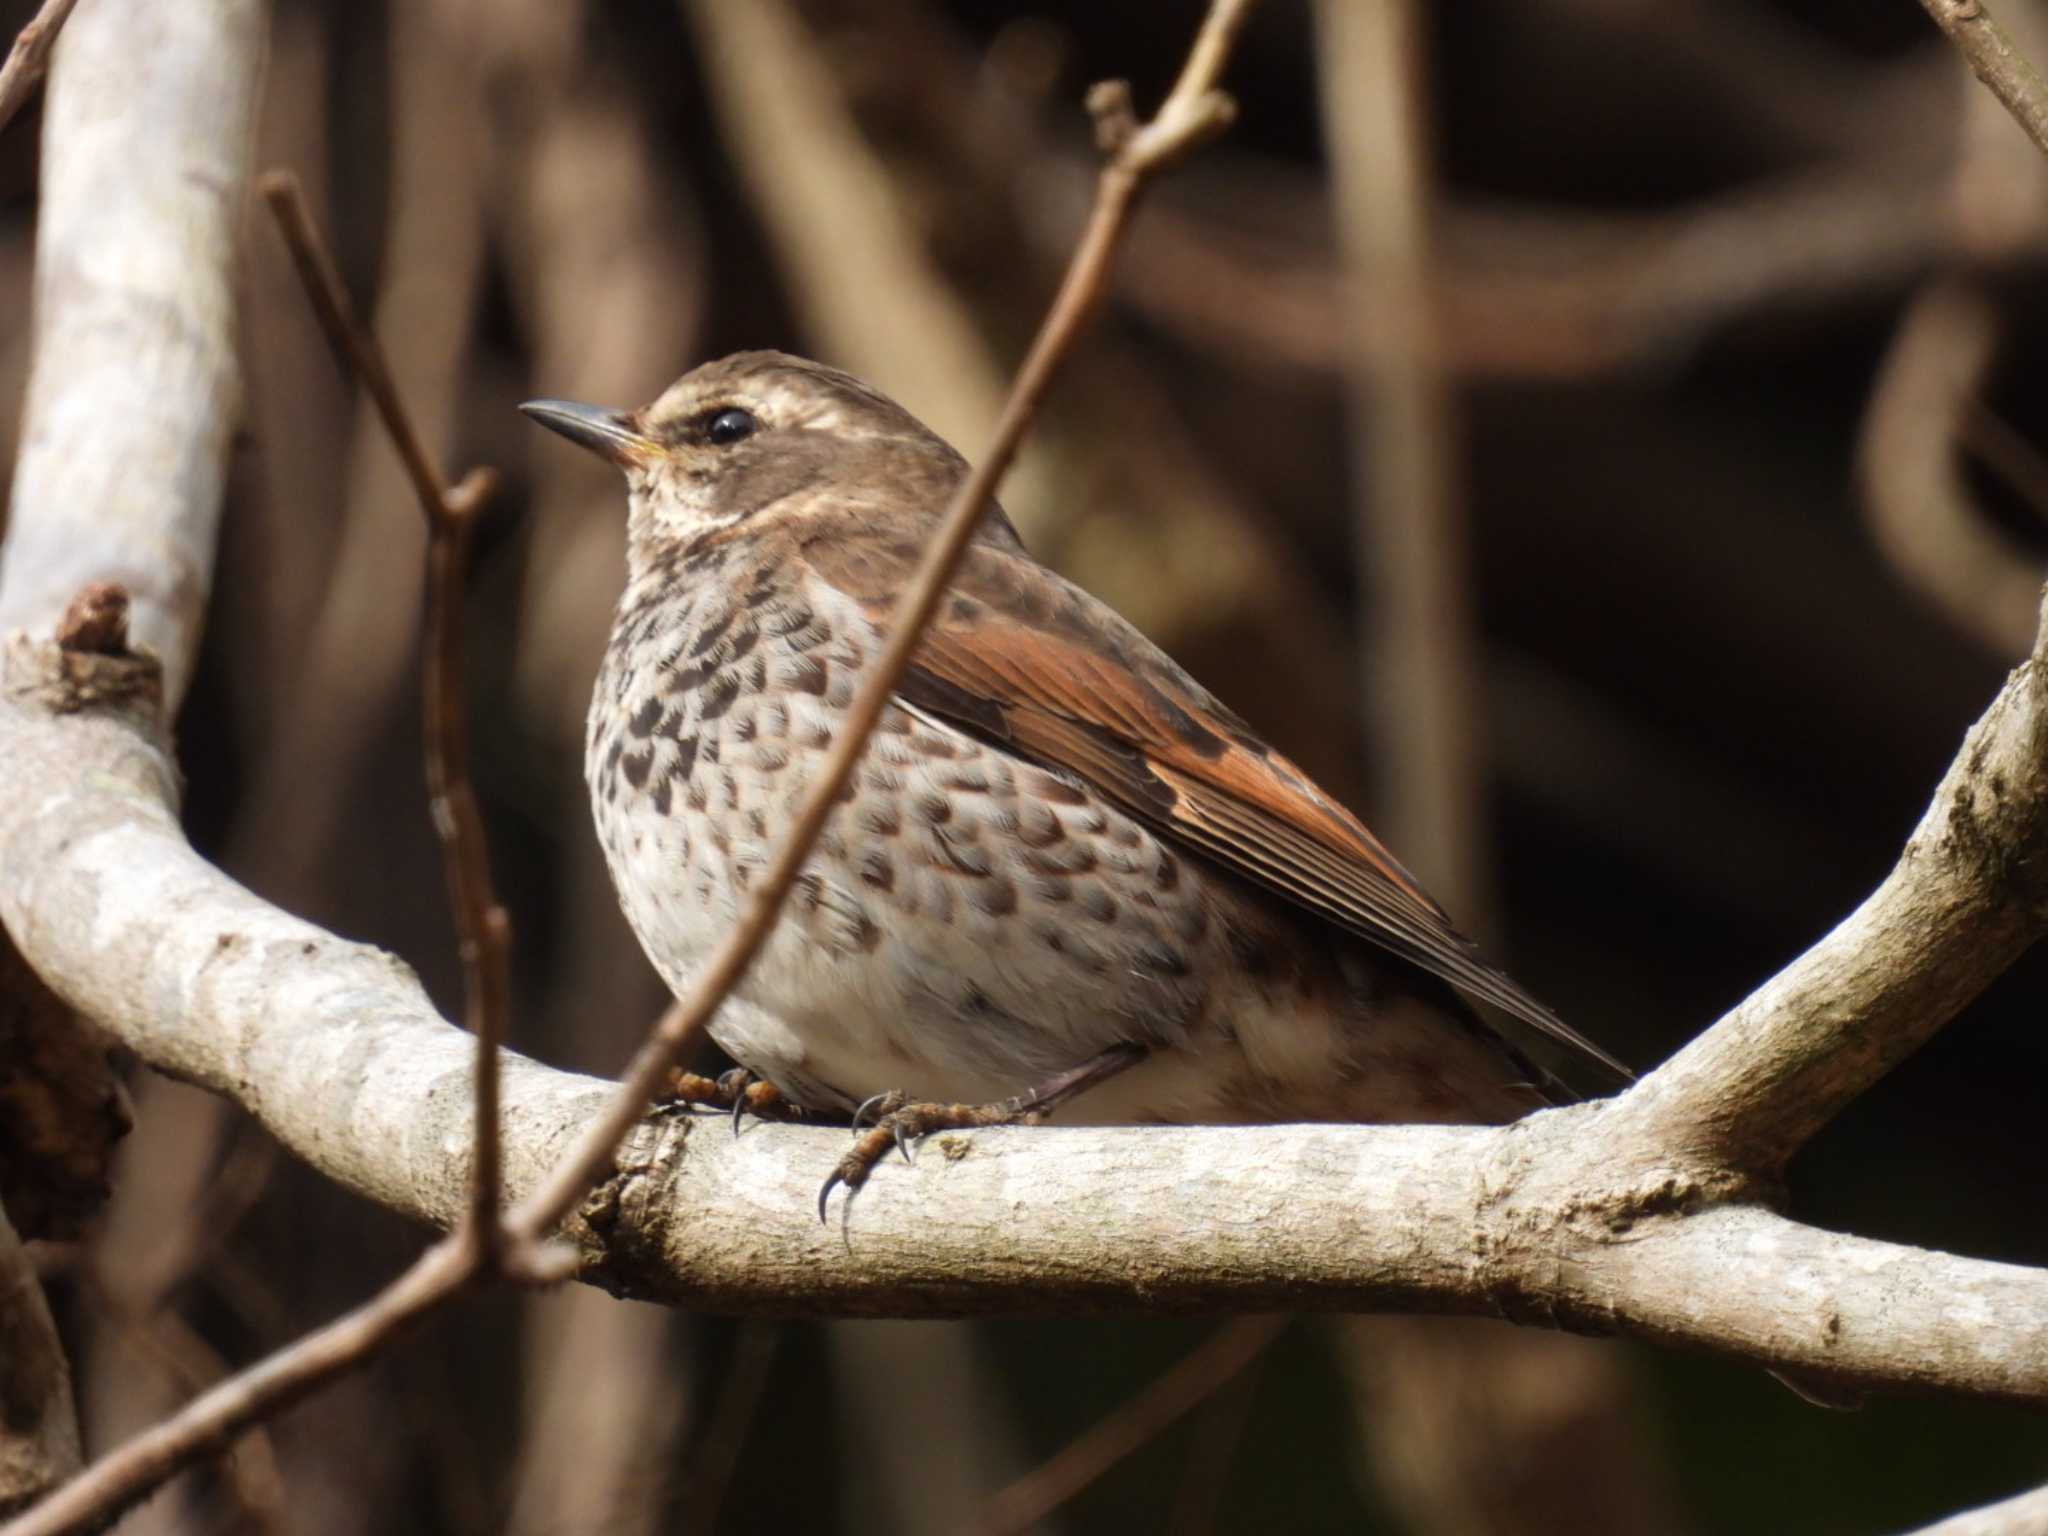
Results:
1212 1365
451 512
1192 112
29 56
1994 60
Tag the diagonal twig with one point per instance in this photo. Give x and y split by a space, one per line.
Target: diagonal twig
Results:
1210 1366
1995 61
30 56
451 512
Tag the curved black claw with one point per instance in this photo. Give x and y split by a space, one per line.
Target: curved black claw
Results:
880 1106
733 1084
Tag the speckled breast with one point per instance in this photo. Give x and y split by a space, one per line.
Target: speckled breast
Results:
956 894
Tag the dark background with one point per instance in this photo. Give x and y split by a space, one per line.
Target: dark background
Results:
1673 245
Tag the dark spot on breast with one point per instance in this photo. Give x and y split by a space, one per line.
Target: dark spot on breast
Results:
880 816
757 674
713 747
787 619
932 807
686 758
976 1001
732 791
809 635
757 823
1161 961
771 759
685 679
711 633
876 870
998 898
696 798
743 728
840 694
967 858
966 609
661 797
647 717
742 643
636 766
1096 901
808 890
718 695
611 758
1037 826
765 585
807 675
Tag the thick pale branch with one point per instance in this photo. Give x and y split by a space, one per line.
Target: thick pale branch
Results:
135 389
1562 1219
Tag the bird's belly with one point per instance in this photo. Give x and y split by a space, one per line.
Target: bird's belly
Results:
966 928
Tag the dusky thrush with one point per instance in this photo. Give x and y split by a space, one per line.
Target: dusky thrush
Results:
1065 879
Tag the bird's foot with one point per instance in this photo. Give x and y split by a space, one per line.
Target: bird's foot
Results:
892 1120
738 1092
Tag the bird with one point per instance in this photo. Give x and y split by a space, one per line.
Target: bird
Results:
1064 882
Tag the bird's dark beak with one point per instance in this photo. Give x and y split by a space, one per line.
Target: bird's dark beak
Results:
605 433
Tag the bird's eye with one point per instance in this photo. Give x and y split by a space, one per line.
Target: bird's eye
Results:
730 425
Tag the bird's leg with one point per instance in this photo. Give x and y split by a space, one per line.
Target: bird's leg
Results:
893 1120
739 1091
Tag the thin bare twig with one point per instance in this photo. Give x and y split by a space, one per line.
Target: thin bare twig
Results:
1205 1370
1994 60
211 1421
1192 112
451 513
29 56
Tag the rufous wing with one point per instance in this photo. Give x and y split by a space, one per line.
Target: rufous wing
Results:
1021 657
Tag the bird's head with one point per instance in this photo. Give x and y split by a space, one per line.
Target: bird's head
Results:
756 437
